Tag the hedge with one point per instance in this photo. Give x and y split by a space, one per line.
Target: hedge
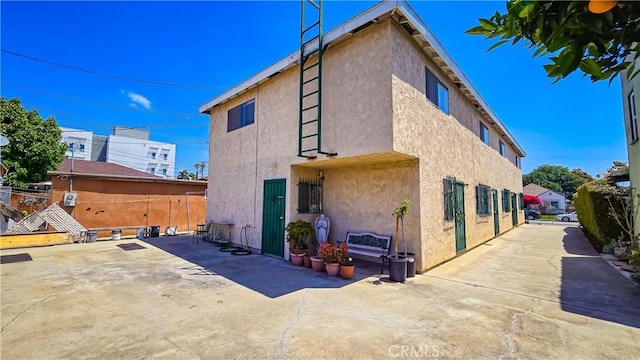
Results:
593 207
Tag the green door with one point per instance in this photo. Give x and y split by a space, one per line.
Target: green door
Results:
273 217
496 213
458 213
514 209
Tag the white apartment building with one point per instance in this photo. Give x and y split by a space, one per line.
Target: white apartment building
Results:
128 147
145 155
79 141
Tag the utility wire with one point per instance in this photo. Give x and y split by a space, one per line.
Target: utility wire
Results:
53 94
112 75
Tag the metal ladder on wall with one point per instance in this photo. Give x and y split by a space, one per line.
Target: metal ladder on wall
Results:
310 104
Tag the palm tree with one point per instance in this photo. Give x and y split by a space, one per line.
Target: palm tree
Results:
199 166
184 174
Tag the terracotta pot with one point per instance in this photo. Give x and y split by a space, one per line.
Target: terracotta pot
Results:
333 269
297 259
346 271
307 261
317 264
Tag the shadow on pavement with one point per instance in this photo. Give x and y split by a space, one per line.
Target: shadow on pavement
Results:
573 245
272 277
593 288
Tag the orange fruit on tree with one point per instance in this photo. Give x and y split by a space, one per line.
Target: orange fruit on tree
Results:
601 6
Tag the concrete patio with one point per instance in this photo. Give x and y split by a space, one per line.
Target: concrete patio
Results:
537 292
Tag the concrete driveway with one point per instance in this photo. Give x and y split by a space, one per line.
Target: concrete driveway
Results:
538 292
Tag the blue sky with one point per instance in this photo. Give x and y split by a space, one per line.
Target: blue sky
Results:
574 123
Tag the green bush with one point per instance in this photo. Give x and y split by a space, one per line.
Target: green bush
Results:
592 206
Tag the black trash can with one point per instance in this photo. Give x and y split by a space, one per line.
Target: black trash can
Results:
154 231
411 264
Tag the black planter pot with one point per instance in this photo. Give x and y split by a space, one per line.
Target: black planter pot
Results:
397 269
411 264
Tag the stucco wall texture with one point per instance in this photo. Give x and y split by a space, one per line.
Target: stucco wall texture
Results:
375 112
107 203
633 147
447 146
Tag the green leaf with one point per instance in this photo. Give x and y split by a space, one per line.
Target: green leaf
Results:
496 45
589 66
487 24
539 51
527 10
477 30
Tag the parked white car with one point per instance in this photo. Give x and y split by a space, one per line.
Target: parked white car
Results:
572 216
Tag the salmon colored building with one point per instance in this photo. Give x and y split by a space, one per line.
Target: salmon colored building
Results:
105 195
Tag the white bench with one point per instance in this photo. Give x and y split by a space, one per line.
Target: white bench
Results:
369 244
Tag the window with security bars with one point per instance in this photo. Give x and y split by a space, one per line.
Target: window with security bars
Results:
483 207
521 200
309 196
506 200
448 199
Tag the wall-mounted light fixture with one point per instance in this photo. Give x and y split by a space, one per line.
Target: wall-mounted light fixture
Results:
321 175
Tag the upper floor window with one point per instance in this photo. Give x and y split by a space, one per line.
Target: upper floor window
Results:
503 149
518 162
437 92
241 115
633 117
164 154
76 145
484 133
164 171
151 169
153 153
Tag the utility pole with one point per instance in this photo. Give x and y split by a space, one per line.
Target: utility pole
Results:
199 166
72 146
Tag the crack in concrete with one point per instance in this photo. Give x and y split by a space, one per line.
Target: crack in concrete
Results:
296 318
25 310
552 264
508 337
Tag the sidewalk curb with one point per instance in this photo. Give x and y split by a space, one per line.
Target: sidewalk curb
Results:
610 259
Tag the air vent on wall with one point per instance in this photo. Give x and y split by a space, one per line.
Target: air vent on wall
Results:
70 199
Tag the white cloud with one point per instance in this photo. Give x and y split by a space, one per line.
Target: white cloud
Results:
139 99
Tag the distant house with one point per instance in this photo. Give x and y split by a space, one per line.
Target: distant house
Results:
631 104
102 195
129 147
399 119
551 201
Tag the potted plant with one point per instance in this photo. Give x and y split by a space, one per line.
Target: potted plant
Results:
297 234
398 264
307 259
347 266
331 257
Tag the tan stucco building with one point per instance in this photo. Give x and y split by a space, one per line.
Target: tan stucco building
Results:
631 102
394 138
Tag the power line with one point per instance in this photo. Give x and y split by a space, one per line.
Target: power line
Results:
120 77
53 94
159 125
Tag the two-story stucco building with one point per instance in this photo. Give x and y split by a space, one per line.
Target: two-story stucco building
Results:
402 120
630 103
